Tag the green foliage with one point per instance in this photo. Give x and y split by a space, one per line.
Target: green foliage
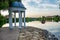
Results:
56 18
5 4
49 19
2 20
43 18
28 19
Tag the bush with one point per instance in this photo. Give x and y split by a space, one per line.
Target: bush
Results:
2 20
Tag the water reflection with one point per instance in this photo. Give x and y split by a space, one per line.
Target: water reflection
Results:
53 27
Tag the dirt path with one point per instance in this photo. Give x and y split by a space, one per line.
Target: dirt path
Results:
6 34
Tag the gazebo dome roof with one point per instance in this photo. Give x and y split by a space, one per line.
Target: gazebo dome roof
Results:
17 4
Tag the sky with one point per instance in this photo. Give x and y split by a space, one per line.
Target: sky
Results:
37 8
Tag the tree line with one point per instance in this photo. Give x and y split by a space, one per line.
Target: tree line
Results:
55 18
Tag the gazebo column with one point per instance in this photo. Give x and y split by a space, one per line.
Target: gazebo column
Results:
24 19
10 20
20 19
14 19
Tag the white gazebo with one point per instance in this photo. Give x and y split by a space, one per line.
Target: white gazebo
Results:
16 6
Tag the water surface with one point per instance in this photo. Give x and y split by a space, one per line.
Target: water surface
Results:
53 27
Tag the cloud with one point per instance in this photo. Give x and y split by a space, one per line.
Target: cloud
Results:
37 1
49 6
40 4
41 7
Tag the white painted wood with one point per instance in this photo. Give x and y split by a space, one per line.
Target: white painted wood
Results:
10 20
15 19
20 20
17 9
24 20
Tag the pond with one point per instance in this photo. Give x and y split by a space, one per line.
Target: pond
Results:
53 27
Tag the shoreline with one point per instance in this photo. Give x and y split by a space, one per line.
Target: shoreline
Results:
28 33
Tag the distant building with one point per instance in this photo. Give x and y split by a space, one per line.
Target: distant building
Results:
49 16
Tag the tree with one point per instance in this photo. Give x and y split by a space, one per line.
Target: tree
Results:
43 19
56 18
5 4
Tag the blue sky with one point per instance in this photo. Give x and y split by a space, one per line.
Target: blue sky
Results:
48 4
41 7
